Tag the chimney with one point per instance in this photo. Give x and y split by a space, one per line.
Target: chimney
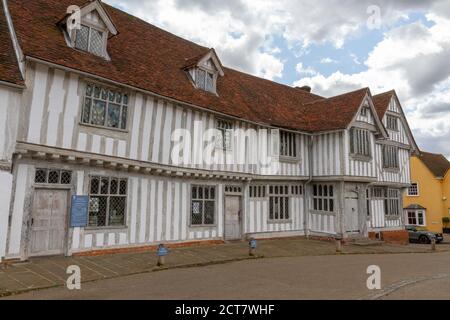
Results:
304 88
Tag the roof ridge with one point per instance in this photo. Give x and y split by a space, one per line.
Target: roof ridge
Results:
338 96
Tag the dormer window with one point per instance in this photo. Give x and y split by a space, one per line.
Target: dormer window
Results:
89 29
90 40
204 71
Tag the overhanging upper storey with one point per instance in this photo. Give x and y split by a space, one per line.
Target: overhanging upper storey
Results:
88 28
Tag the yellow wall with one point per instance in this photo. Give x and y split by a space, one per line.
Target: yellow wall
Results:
446 193
430 194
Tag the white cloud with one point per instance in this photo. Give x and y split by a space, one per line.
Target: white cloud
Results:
327 61
305 71
414 60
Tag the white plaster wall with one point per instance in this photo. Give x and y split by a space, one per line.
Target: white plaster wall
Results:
5 199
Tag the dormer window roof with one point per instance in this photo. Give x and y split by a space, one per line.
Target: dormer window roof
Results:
89 28
204 71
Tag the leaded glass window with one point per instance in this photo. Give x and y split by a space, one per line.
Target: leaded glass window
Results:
104 107
203 205
224 141
107 201
53 176
204 80
90 40
279 203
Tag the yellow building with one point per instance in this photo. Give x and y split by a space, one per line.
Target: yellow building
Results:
427 201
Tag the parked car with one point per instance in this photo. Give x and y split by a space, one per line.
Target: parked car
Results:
422 235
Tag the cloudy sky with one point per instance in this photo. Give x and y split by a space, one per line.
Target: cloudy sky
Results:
333 46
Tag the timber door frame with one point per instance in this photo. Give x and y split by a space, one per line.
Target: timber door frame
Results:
68 190
231 193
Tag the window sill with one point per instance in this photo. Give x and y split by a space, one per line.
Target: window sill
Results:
100 229
391 170
208 226
323 213
279 221
358 157
287 159
392 218
103 128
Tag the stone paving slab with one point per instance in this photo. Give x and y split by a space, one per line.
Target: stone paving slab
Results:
40 273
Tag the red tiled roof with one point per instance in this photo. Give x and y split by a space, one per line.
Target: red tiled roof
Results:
146 57
9 69
382 101
337 111
436 163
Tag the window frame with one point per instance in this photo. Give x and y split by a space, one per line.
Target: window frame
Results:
320 198
392 122
258 192
360 143
416 217
124 95
275 193
192 199
226 133
108 196
207 72
390 157
417 190
47 182
88 49
392 203
288 145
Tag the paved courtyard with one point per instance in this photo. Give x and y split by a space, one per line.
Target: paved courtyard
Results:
43 273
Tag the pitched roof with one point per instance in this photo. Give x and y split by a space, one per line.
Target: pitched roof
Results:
148 58
436 163
382 101
337 111
9 68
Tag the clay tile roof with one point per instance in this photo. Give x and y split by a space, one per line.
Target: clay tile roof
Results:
9 69
336 112
436 163
382 101
148 58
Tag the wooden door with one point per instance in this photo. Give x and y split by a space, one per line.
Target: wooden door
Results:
233 218
352 213
48 222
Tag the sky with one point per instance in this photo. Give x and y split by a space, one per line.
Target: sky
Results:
333 46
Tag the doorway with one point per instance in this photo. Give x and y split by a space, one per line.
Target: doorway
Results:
233 218
352 213
48 224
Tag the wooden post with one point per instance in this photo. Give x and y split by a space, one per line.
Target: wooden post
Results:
338 241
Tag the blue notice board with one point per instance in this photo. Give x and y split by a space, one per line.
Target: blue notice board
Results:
79 212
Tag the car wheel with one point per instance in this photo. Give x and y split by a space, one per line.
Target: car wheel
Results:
424 240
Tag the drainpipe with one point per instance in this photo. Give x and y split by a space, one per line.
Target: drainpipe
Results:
306 190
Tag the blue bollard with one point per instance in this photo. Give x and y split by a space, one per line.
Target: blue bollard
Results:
253 245
162 253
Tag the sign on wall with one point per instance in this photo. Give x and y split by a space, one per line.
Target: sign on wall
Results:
79 212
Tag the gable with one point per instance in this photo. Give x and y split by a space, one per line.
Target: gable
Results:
366 114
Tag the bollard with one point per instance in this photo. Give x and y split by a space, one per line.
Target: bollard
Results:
252 245
433 244
162 253
338 241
